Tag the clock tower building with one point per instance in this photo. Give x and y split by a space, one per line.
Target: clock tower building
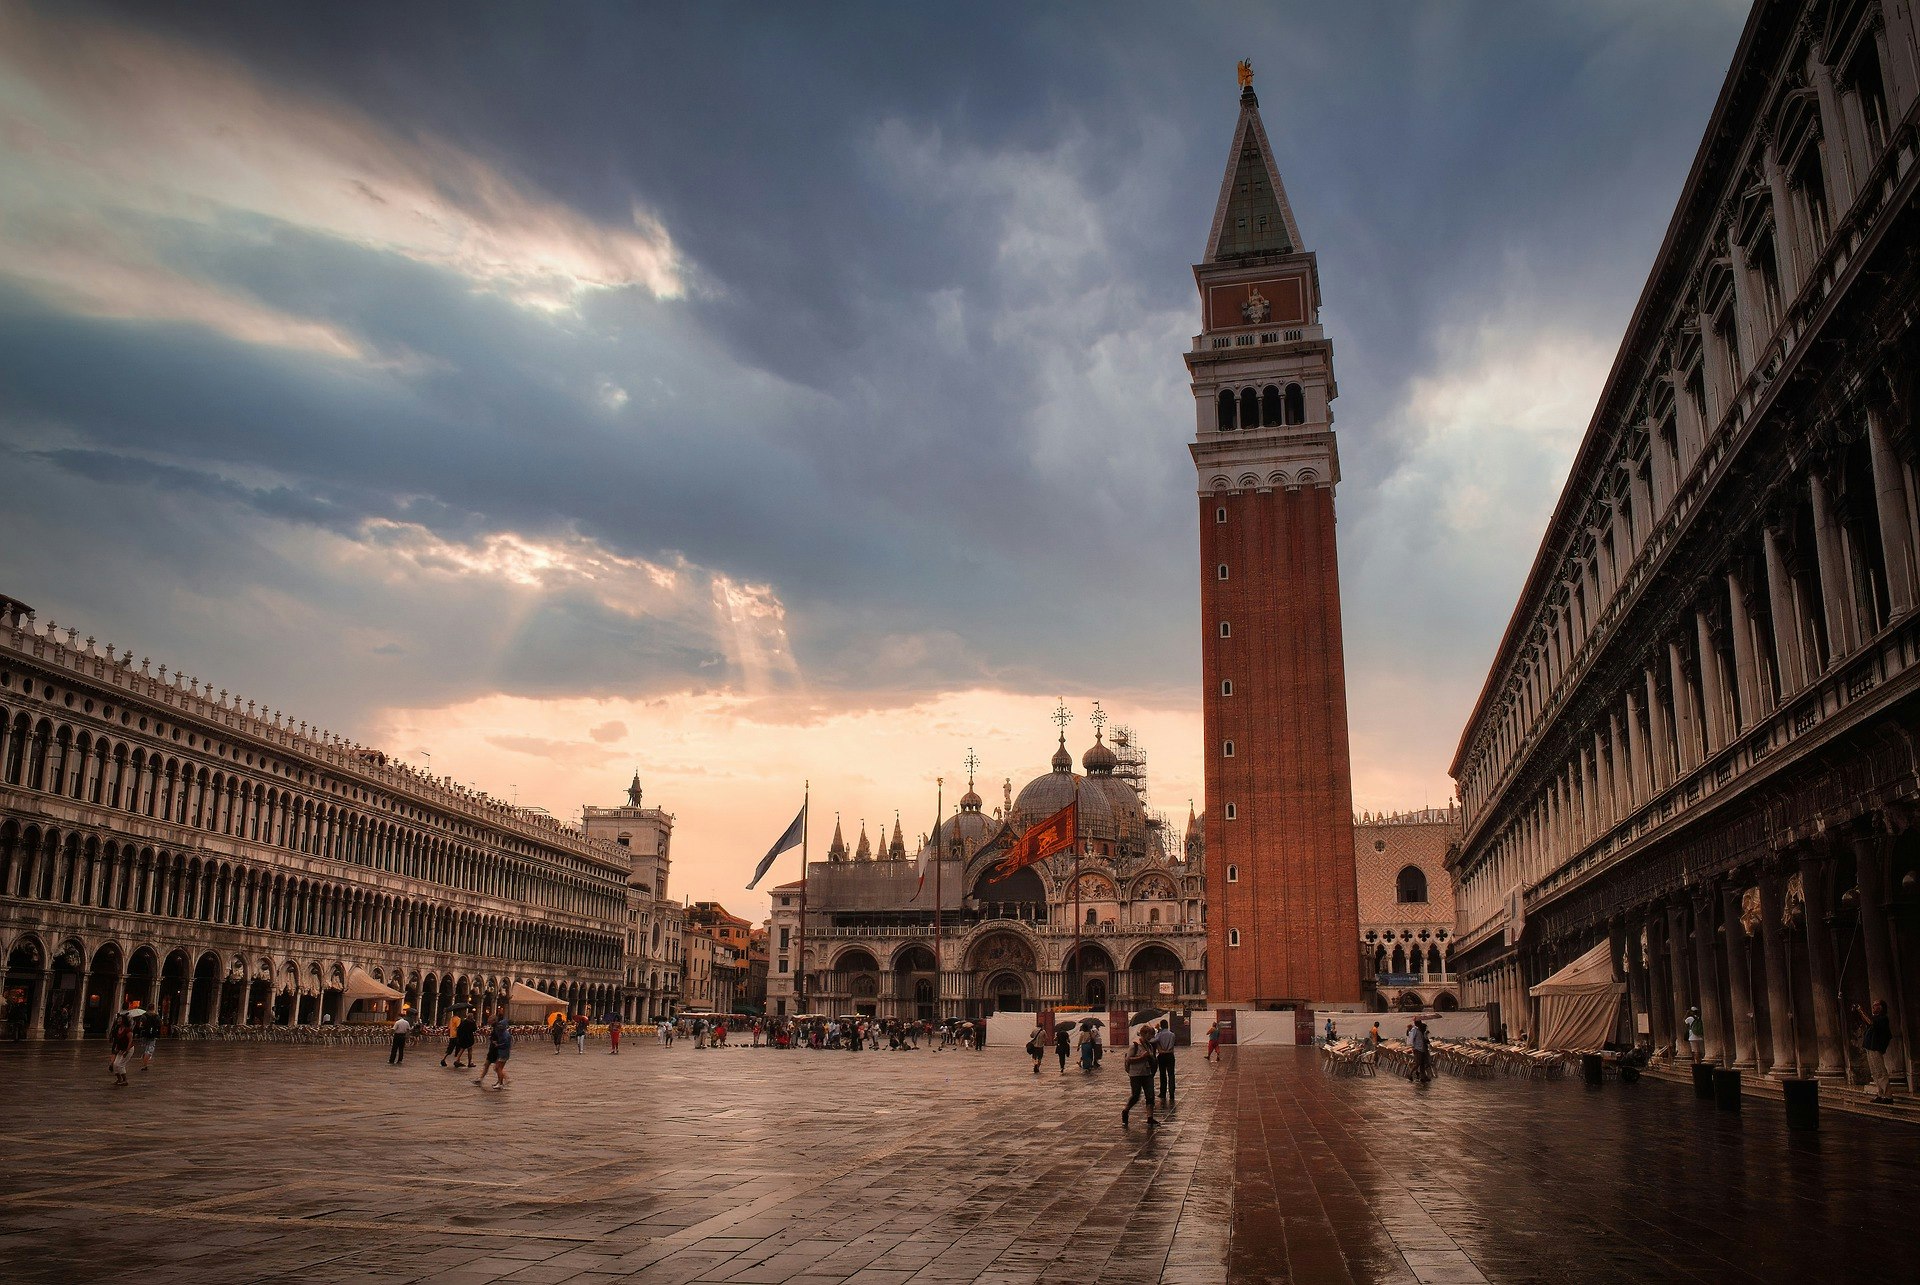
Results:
1283 920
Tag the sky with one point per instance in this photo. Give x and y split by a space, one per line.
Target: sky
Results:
759 397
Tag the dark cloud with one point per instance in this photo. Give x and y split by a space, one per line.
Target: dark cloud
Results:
925 383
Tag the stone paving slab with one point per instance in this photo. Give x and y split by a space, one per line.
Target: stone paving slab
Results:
263 1162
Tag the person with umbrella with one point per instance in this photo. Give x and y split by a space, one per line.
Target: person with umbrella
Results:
1063 1043
1089 1047
453 1039
146 1029
580 1032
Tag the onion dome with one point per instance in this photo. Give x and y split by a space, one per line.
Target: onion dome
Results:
1099 760
1062 761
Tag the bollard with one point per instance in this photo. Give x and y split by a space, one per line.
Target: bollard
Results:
1803 1103
1591 1067
1703 1079
1726 1089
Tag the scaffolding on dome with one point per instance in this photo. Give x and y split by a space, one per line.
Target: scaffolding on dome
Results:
1130 765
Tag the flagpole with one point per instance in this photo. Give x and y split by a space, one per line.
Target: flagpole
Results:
806 821
939 958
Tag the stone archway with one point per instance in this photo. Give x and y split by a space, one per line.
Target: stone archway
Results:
1150 967
101 994
1006 992
143 979
1088 974
26 968
176 974
204 993
915 976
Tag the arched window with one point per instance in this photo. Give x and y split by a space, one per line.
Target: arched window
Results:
1233 936
1227 750
1411 887
1296 405
1270 407
1221 571
1249 408
1226 687
1225 422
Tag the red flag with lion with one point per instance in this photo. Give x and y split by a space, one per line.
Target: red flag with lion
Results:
1055 834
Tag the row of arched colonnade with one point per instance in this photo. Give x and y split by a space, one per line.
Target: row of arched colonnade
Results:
67 986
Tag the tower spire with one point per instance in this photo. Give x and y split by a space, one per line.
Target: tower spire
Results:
1252 216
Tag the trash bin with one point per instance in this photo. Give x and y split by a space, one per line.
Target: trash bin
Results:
1703 1079
1726 1089
1591 1067
1803 1103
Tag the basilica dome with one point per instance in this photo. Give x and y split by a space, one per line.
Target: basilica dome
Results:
1046 795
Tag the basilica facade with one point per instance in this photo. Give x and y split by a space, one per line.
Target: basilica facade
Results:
1116 921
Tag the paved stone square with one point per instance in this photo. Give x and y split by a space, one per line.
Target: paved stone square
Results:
262 1162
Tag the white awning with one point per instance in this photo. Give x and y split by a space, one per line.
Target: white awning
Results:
525 994
364 985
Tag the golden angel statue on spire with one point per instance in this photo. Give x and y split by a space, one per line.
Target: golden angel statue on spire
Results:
1245 70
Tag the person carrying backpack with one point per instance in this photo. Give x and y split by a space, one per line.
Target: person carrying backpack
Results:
1141 1057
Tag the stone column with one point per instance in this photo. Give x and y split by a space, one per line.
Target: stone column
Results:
1707 964
1891 506
1659 756
1659 984
1816 884
1637 979
1639 778
1739 980
1873 858
1795 672
41 992
1773 937
1685 735
1617 958
1713 706
1842 635
1754 698
1677 970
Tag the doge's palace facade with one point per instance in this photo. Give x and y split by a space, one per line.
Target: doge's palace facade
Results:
163 841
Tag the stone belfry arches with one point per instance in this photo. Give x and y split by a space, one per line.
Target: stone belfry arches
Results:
1278 778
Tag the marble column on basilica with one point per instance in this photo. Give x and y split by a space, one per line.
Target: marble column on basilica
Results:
1677 968
1707 965
1739 979
1816 883
1773 939
1873 859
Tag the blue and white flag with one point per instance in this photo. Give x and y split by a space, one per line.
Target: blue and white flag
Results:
785 843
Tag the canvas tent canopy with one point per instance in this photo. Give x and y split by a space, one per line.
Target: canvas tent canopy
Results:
362 985
525 1004
1580 1004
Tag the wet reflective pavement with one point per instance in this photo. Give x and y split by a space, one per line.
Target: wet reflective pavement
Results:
262 1162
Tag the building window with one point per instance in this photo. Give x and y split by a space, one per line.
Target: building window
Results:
1226 687
1233 813
1221 571
1233 936
1411 887
783 937
786 901
1296 405
1233 874
1226 630
1227 750
1224 420
1379 845
1220 514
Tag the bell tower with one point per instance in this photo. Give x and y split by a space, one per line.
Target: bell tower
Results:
1283 919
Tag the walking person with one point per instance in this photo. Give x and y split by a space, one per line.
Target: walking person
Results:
1140 1065
613 1035
402 1027
1063 1044
580 1032
146 1028
119 1049
1037 1048
1422 1052
1873 1042
499 1049
463 1043
1213 1042
453 1041
1163 1059
1696 1034
557 1025
1089 1050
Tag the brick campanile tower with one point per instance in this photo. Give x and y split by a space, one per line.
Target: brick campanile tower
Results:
1283 920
